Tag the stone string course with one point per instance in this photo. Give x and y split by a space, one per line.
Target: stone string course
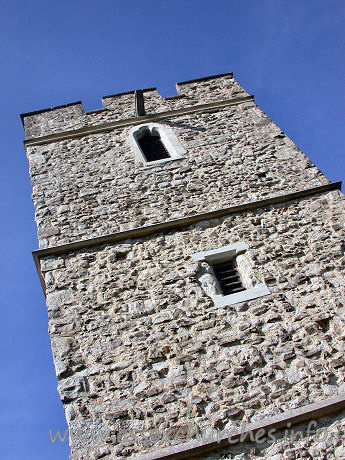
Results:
326 442
140 350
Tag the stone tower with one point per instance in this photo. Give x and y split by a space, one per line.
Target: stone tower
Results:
193 263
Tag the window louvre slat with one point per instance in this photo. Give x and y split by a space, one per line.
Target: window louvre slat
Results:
152 147
228 277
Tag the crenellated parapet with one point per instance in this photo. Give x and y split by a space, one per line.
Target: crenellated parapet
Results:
121 106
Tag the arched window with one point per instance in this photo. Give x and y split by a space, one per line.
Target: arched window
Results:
152 146
155 143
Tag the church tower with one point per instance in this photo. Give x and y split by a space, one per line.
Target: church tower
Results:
193 261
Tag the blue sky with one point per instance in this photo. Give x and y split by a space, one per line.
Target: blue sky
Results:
289 54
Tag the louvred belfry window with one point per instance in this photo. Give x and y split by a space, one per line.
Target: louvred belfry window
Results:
228 277
152 147
221 277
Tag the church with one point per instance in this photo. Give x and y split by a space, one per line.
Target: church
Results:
192 259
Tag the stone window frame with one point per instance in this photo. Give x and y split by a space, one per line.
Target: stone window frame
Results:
171 143
253 290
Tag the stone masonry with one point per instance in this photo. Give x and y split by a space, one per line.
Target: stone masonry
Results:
144 358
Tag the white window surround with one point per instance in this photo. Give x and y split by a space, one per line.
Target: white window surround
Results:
168 137
209 282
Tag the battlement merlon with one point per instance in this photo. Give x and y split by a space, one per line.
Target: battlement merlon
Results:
121 106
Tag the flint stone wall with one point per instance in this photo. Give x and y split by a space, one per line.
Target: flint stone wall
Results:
92 186
141 351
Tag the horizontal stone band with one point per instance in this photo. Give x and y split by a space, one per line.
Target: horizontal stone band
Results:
174 224
134 121
298 415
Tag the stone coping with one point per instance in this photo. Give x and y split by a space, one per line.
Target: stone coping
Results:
36 112
209 77
175 224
